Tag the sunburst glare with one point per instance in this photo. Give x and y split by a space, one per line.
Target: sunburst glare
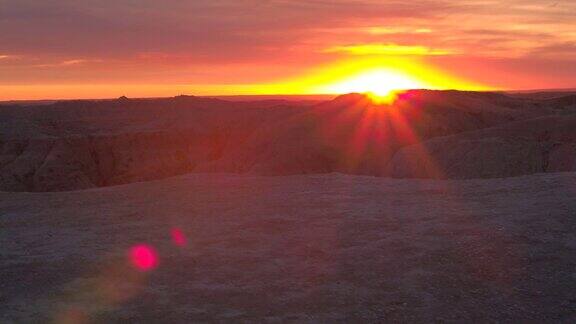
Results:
381 84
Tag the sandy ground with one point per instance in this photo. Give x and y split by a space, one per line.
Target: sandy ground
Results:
318 248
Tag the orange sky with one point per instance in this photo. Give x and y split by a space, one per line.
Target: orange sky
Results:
147 48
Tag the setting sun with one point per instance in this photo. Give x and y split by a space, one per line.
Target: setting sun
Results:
381 84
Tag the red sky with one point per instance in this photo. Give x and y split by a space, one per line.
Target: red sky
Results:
105 48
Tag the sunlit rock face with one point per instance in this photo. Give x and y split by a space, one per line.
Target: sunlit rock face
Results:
546 144
431 134
351 134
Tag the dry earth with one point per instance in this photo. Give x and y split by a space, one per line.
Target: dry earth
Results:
305 248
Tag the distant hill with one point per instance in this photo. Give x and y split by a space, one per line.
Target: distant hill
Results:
542 94
27 102
301 98
318 97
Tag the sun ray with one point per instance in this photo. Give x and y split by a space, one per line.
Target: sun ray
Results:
380 84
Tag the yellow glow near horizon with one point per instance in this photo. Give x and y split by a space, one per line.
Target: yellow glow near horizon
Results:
378 82
378 75
381 76
387 49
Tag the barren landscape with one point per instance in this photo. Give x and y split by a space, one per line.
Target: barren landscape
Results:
83 144
287 161
306 248
307 224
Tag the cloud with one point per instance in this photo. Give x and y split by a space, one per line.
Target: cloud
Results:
388 30
387 49
556 50
181 40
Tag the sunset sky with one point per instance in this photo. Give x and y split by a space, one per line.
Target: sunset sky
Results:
143 48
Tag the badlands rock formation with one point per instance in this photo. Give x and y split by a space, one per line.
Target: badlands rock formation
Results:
433 134
545 144
83 144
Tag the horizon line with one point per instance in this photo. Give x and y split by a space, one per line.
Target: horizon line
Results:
276 95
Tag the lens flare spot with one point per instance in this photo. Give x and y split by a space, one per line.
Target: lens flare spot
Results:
178 237
144 257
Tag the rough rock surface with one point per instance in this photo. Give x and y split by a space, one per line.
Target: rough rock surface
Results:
353 135
316 248
545 144
82 144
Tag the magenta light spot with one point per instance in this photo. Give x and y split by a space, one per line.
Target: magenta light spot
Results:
406 95
178 237
143 257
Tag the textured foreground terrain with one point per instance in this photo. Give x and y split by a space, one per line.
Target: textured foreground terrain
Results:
337 248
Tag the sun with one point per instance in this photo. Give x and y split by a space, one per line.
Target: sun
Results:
380 84
382 78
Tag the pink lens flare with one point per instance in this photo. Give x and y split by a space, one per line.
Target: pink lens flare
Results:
144 257
405 95
178 237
